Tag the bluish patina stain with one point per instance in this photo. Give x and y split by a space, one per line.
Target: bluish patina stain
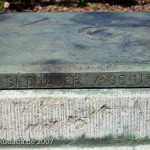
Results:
54 61
109 19
80 47
4 17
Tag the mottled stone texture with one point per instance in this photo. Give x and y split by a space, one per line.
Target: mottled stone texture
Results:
69 114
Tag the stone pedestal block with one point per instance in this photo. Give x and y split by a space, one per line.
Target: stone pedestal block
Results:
76 115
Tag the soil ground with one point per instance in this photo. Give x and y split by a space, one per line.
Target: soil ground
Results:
74 6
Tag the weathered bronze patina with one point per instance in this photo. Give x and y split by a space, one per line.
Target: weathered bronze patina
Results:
74 50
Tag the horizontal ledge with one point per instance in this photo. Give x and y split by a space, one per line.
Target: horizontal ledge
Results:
122 92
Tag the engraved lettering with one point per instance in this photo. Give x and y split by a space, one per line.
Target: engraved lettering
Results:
52 80
21 82
100 80
77 80
135 79
48 81
132 79
148 79
39 81
18 81
30 82
112 79
122 80
140 79
11 82
68 81
59 81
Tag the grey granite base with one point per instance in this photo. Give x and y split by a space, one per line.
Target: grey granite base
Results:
106 115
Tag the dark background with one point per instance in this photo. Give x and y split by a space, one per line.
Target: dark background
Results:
79 5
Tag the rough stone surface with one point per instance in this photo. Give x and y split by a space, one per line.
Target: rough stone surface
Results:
39 114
